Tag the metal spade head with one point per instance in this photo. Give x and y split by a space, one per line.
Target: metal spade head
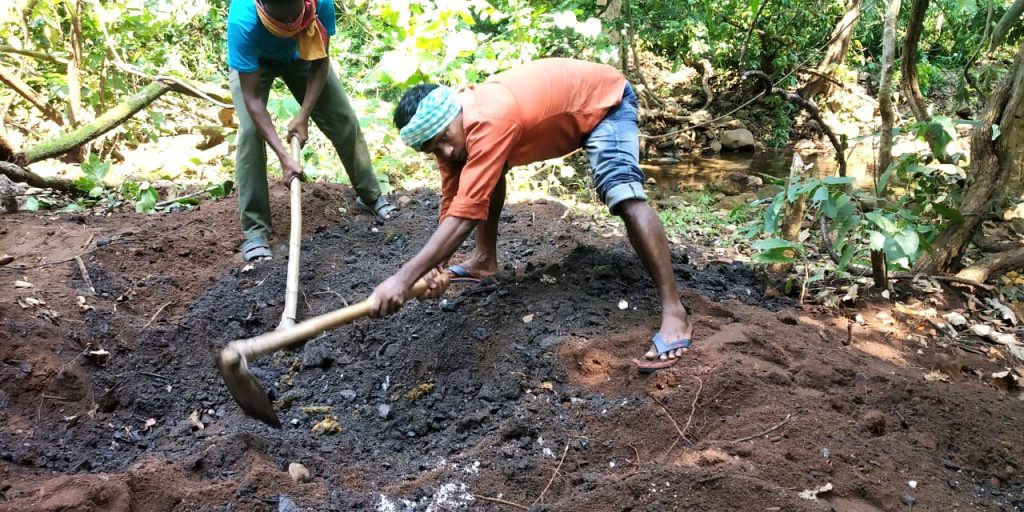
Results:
245 388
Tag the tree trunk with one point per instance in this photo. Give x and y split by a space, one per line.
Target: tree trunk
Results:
835 54
915 25
11 79
75 64
106 122
885 85
993 265
878 263
1009 18
647 93
611 19
793 215
992 163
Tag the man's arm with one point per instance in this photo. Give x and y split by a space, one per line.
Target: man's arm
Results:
299 126
449 235
250 85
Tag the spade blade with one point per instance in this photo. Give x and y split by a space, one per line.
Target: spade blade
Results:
247 390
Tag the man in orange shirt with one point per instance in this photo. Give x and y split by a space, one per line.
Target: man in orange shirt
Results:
540 110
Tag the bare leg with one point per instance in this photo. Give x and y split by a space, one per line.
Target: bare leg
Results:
650 242
483 261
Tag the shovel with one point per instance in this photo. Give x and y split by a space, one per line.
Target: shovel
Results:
233 359
291 294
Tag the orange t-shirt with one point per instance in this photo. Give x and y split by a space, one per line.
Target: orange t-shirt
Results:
540 110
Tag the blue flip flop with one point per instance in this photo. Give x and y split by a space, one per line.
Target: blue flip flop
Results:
461 275
663 347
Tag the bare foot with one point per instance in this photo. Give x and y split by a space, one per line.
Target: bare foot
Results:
480 265
675 325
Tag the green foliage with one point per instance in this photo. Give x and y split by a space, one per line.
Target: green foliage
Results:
693 29
93 170
911 202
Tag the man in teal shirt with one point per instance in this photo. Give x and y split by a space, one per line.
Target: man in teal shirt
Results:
288 39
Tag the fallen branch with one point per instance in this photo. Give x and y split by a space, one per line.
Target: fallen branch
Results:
499 500
546 487
197 193
693 407
19 174
85 274
944 278
979 241
993 265
766 432
811 110
674 422
155 315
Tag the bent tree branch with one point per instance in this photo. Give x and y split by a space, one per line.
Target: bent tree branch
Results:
1010 17
811 110
25 91
106 122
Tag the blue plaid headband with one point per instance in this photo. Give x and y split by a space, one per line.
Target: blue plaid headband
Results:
433 114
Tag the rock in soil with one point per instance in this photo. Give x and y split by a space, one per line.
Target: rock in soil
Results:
299 473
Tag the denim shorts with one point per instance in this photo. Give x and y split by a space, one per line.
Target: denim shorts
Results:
613 148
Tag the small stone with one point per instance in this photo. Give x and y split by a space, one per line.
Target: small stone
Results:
908 500
384 411
348 394
351 260
285 504
955 319
316 355
299 473
740 138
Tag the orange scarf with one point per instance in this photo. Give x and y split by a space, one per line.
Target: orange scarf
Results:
306 30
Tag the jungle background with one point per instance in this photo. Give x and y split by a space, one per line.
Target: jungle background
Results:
841 182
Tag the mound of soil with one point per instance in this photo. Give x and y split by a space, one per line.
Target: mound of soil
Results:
514 393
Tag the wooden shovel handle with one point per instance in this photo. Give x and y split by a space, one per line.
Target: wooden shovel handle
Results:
253 348
291 294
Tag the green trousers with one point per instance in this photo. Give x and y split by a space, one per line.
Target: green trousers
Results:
332 114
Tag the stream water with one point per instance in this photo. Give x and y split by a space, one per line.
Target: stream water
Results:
694 173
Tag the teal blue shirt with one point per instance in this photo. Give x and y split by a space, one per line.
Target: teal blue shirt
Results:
249 41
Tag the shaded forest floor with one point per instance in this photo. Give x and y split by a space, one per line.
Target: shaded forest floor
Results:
519 389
